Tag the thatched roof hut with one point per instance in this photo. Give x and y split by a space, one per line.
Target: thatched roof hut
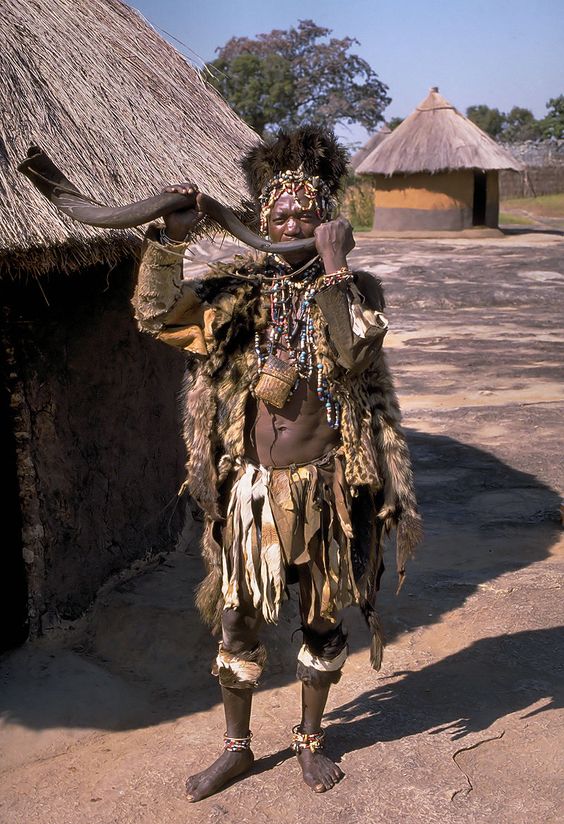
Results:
373 141
437 170
119 110
90 425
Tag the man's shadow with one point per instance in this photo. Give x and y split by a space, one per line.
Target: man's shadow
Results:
463 693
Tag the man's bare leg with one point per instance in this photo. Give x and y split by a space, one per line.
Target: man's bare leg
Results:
237 707
239 635
319 772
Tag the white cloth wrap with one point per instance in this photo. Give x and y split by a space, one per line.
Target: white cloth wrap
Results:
322 664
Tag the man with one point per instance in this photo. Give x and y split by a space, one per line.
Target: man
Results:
295 453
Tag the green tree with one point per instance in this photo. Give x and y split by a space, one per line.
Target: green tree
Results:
553 124
520 124
288 77
394 122
491 121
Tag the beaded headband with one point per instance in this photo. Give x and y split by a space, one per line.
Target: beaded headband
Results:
290 182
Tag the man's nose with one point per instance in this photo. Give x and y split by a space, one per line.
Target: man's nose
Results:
293 227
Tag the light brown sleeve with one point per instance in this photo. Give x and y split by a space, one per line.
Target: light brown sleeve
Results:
355 324
167 307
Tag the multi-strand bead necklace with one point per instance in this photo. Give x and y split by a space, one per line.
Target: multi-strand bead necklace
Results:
291 327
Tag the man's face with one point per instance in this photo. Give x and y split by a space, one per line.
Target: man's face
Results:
293 219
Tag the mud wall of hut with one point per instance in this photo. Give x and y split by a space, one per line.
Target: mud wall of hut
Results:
96 426
423 201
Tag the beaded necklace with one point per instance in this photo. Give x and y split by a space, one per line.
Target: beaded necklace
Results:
291 327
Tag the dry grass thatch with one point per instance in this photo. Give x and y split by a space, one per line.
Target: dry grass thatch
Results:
121 113
373 141
436 138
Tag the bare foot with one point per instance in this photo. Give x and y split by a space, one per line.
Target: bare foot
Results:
319 772
228 766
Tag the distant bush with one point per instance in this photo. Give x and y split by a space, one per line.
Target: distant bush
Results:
358 202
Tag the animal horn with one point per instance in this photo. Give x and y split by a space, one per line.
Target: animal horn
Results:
63 194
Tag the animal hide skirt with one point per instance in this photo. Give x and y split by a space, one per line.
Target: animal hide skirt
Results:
278 518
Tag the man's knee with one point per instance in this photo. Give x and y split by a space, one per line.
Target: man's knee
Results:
239 629
322 655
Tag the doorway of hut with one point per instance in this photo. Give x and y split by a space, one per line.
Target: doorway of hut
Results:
480 197
14 624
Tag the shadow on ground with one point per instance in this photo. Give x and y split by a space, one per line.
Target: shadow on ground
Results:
464 693
144 657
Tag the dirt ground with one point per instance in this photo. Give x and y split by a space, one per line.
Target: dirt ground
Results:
103 719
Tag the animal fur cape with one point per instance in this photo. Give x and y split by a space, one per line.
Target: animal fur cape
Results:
378 467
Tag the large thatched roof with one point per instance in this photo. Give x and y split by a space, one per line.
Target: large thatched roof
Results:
117 108
435 138
373 141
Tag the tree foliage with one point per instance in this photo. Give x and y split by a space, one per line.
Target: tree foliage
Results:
394 122
299 75
520 123
489 120
553 124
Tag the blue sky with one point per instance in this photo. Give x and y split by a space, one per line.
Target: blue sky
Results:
500 52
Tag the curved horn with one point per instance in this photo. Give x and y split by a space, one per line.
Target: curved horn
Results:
66 197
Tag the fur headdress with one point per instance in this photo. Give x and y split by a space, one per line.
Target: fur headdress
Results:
309 158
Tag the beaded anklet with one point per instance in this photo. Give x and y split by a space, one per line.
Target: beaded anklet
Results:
311 741
237 744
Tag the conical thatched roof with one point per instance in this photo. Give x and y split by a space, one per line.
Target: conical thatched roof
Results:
373 141
435 138
121 113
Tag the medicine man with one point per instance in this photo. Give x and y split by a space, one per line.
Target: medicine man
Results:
295 451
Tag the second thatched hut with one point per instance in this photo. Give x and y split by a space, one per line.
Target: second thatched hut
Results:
437 171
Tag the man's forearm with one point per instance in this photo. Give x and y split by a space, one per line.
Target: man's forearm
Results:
334 260
334 306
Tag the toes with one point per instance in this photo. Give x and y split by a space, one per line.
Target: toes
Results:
192 785
196 791
323 785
